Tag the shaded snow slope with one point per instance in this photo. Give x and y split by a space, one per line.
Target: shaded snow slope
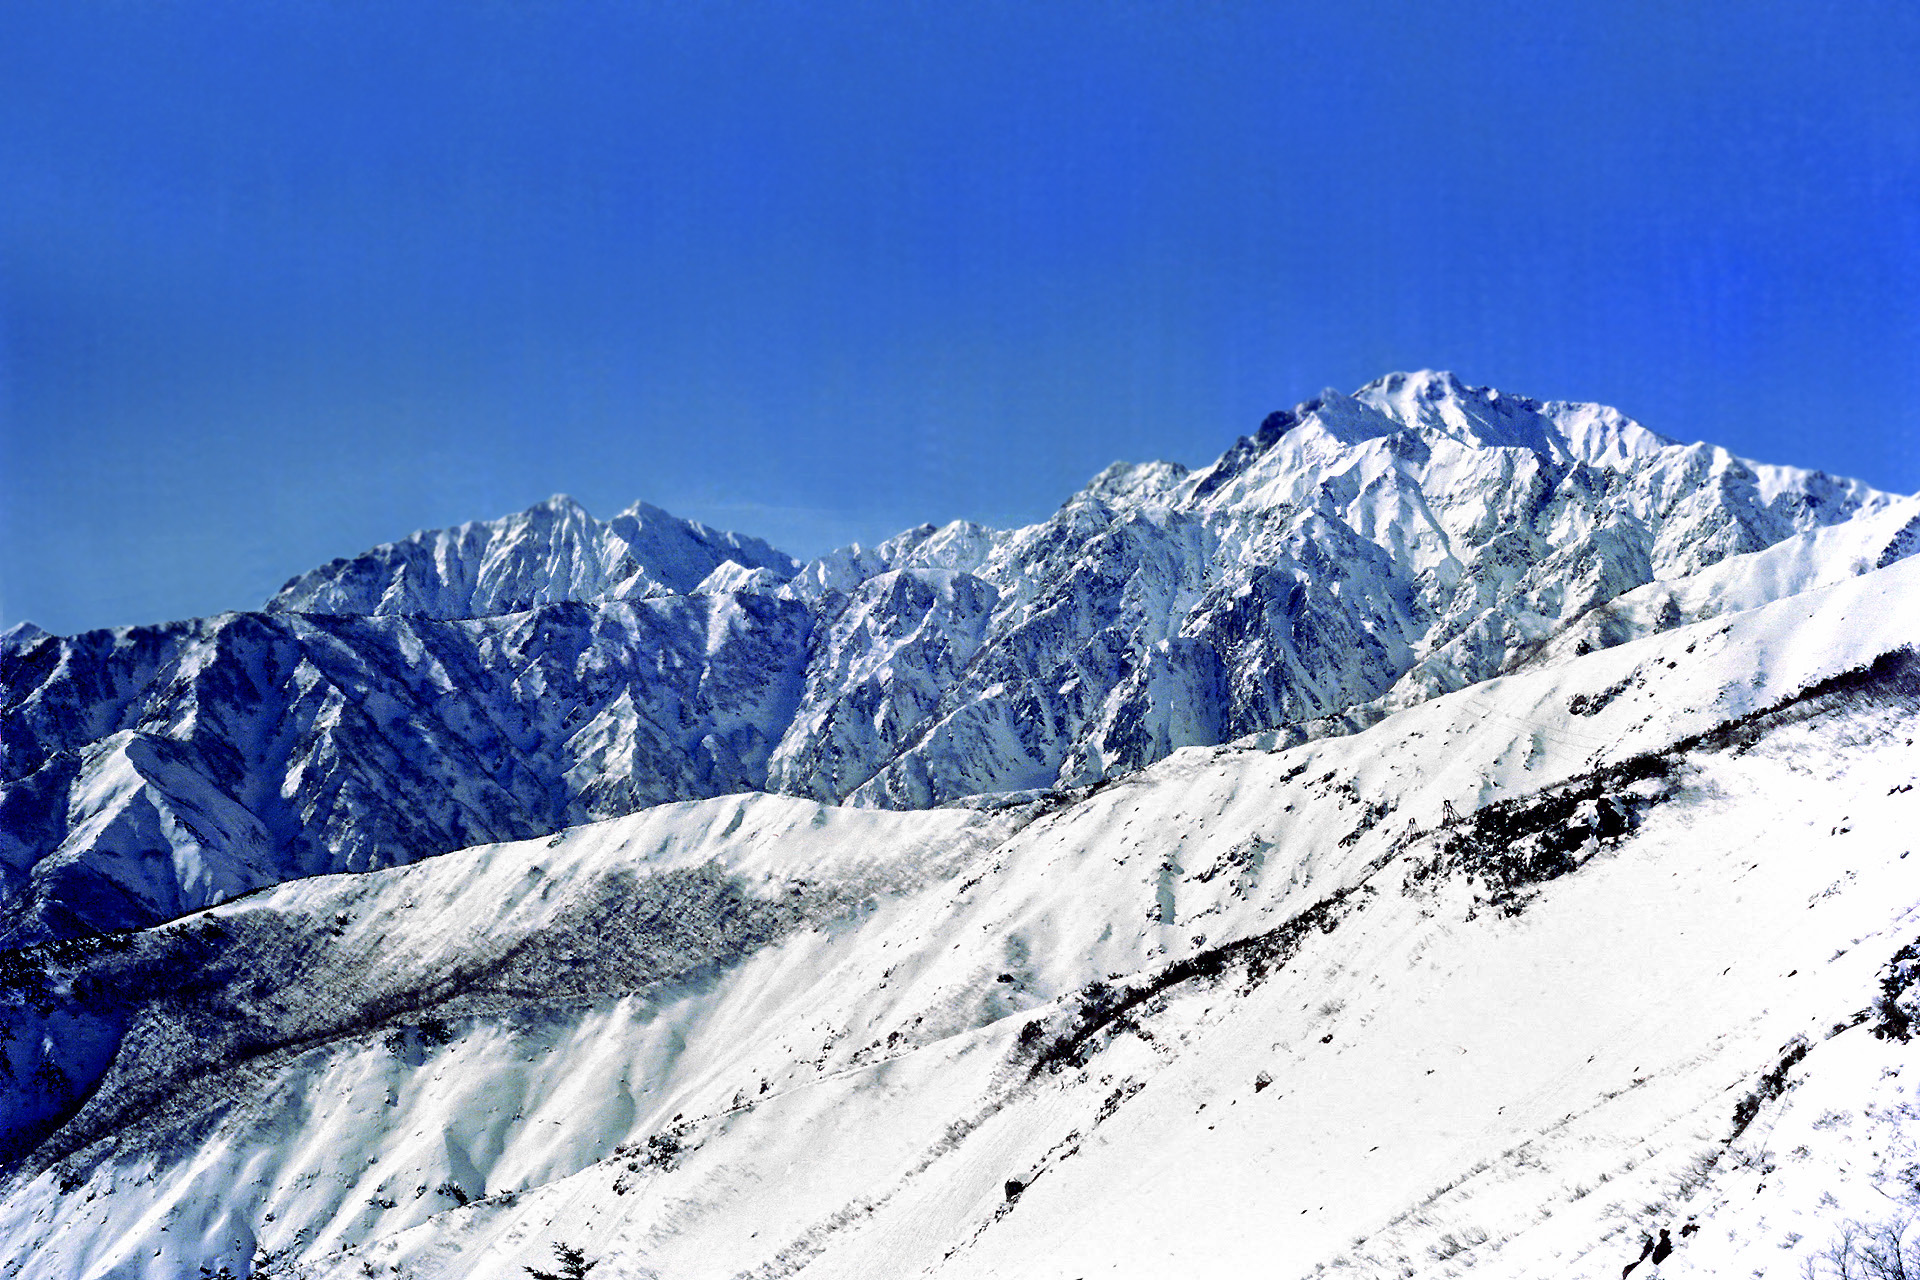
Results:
1488 985
1355 556
153 771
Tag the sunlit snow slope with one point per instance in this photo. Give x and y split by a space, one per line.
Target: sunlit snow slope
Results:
1511 979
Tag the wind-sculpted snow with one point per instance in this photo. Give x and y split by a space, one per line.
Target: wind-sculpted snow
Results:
1354 556
1505 981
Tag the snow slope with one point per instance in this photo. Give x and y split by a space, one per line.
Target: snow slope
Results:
1517 974
506 679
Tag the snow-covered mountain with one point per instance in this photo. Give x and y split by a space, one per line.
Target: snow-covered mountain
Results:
1414 538
548 553
1450 832
507 679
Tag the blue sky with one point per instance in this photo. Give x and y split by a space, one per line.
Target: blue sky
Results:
281 281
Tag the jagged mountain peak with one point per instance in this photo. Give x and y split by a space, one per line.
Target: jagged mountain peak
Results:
1401 419
553 551
1427 456
20 635
1439 406
553 513
1136 484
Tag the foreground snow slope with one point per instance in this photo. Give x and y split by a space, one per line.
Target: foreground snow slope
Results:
506 679
1484 986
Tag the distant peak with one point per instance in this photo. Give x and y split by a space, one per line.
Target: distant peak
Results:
1428 386
1403 378
1136 482
1428 406
646 511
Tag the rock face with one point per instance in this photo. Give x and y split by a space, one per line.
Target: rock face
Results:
502 680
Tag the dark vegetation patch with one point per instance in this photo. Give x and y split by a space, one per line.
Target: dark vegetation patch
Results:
1115 1100
1771 1084
1242 863
32 975
1100 1011
572 1260
191 1013
1587 704
420 1038
1511 846
1370 817
1893 1006
659 1152
1892 679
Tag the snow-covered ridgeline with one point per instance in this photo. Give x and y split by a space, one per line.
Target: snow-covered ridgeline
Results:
1356 555
554 551
1410 539
1514 1039
155 770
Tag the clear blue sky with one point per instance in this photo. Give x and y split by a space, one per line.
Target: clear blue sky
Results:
280 281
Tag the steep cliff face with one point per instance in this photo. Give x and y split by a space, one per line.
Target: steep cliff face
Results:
1355 555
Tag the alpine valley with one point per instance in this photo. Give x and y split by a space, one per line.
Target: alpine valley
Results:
1506 805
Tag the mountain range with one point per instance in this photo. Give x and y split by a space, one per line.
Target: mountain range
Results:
1392 787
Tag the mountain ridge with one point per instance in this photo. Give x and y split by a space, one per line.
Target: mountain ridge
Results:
1354 555
553 552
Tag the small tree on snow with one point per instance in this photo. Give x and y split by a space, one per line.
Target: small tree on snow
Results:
573 1264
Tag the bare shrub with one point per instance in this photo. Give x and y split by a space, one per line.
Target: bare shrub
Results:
1888 1250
